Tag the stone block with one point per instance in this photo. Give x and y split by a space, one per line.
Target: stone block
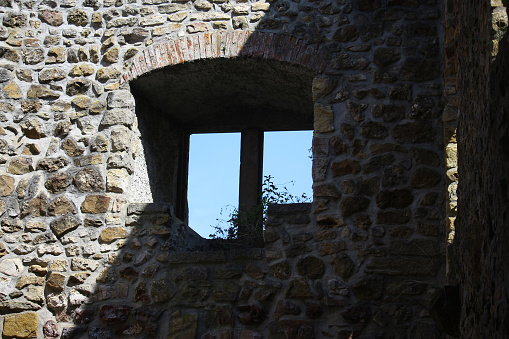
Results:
22 325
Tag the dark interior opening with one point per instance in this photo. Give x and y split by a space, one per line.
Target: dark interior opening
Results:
221 95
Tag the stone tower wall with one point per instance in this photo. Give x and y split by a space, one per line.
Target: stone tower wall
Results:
81 259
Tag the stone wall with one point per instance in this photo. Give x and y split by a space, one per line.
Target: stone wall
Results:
481 240
79 259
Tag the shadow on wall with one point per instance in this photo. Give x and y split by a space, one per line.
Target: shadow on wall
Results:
154 285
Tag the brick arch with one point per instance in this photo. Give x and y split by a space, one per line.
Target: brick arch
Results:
228 44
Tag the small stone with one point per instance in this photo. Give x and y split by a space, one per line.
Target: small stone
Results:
35 294
54 18
61 206
324 118
11 267
71 148
52 164
89 180
12 19
111 55
112 233
20 165
50 329
41 92
64 225
118 117
81 264
22 325
6 185
82 70
81 102
58 182
56 281
51 74
117 180
342 265
27 280
77 86
95 204
351 205
78 17
298 289
33 128
107 73
311 267
425 178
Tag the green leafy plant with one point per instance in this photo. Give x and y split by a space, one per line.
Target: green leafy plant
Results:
228 229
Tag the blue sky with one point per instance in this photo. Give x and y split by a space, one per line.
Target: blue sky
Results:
214 172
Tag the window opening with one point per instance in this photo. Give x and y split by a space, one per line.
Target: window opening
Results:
215 169
213 179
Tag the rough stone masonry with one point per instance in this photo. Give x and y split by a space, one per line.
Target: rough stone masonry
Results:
83 257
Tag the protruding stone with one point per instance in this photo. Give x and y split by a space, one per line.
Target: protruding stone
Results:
77 86
52 164
114 314
298 289
82 69
41 92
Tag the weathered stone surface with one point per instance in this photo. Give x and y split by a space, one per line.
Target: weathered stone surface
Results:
6 185
95 204
35 294
50 329
77 86
425 178
20 165
51 74
117 180
35 207
322 85
373 130
58 182
54 18
56 281
329 221
112 233
298 289
41 92
343 265
182 326
396 198
52 164
311 267
11 267
118 116
351 205
394 217
324 118
162 290
78 17
368 288
345 167
12 19
114 314
280 270
89 180
64 225
11 225
82 69
22 325
61 206
81 264
419 70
